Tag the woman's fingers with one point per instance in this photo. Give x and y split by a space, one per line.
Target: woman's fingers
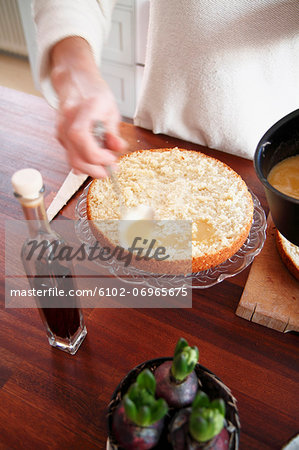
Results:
84 150
116 142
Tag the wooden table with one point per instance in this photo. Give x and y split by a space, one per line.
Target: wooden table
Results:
50 400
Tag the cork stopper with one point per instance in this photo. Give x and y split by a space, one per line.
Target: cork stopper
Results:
27 183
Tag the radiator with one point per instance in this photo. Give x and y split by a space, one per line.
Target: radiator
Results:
12 37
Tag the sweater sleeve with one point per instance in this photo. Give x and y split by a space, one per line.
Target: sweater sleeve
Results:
56 20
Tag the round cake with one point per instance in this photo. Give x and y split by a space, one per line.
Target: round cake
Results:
180 184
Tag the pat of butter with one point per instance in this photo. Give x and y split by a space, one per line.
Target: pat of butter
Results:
136 222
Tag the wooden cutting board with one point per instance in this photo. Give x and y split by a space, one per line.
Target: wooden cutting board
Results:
271 294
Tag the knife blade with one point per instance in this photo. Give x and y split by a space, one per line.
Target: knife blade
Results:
68 188
99 132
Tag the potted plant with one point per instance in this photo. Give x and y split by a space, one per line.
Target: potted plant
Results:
201 426
176 380
212 406
138 420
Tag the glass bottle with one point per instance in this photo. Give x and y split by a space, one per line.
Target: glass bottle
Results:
61 315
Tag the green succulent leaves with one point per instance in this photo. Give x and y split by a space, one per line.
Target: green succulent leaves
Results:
207 417
184 360
140 404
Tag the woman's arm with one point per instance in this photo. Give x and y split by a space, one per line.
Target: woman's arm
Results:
84 97
70 36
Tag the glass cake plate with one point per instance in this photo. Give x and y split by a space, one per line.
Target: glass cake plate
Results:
204 279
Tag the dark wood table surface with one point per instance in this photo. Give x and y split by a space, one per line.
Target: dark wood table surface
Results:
50 400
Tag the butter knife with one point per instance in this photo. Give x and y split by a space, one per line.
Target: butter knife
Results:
99 134
69 187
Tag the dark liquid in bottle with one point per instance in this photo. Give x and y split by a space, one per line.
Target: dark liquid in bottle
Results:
63 321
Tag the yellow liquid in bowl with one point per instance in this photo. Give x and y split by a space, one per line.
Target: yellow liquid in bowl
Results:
285 176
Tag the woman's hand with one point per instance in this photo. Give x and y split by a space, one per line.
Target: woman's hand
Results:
84 99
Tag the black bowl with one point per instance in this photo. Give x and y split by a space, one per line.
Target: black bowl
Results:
208 382
280 142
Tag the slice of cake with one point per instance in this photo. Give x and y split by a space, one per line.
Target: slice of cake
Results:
289 254
181 185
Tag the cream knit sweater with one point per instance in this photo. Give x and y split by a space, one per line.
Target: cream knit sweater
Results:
217 73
